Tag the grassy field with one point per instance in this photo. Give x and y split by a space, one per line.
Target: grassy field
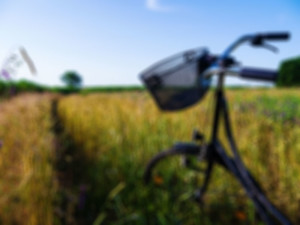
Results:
80 159
27 179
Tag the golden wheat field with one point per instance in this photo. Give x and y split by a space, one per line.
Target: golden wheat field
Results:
79 159
27 179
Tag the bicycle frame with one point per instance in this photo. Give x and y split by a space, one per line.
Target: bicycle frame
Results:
216 153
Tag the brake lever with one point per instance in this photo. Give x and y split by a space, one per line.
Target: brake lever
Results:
261 43
272 48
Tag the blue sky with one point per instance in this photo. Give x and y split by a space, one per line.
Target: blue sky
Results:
110 41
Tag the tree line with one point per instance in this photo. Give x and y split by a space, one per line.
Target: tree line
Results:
288 76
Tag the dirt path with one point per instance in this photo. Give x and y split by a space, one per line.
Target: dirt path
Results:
71 168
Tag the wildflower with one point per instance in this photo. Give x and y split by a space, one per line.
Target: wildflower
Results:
240 215
158 180
5 74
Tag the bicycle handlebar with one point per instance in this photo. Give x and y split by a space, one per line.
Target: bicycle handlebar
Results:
245 72
258 39
259 74
274 36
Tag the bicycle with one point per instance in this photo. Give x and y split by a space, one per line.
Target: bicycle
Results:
181 81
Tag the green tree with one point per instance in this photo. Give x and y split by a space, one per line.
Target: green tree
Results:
289 73
72 79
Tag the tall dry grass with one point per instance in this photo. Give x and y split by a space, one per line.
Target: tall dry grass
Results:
107 141
118 133
27 179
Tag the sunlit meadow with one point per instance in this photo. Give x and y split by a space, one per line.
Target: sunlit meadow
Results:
80 159
27 179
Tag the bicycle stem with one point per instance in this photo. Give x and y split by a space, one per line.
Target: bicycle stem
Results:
218 67
234 46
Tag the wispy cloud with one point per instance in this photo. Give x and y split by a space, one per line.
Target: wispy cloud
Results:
155 5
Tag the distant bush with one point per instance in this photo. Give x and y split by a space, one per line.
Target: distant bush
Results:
289 73
28 86
3 86
15 87
72 79
10 87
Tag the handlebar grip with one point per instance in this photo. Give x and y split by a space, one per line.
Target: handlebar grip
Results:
259 74
275 36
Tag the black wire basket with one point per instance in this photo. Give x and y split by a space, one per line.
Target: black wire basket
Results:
177 82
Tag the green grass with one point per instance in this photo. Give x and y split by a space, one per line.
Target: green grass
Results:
118 134
102 142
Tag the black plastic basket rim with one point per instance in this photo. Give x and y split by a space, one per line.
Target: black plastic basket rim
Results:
147 71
